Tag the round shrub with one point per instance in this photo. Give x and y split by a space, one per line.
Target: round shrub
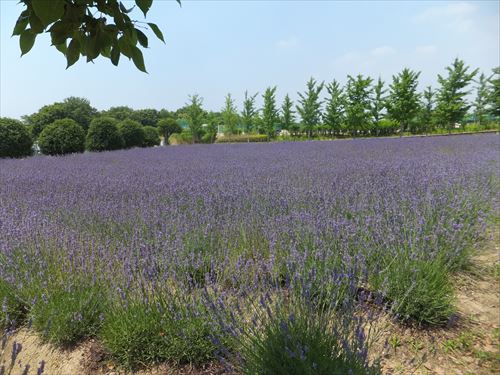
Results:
15 139
151 137
62 137
132 133
104 135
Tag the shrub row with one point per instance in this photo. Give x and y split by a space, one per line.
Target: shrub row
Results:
67 136
239 138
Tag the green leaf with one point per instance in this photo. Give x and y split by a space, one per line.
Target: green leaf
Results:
62 48
125 47
157 31
48 10
26 41
144 5
73 52
142 38
138 59
36 24
21 24
115 55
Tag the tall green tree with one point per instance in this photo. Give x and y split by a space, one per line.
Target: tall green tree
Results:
89 28
309 107
194 113
403 103
77 109
426 110
333 117
482 96
249 112
494 94
229 116
269 112
358 111
378 102
287 113
451 103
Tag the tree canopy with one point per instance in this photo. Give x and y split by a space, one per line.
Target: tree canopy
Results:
89 28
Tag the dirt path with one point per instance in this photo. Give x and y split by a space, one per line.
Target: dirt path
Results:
469 346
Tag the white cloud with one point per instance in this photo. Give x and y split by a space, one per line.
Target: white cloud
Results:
457 16
288 43
382 51
425 50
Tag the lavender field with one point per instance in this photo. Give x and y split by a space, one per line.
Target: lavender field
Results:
267 258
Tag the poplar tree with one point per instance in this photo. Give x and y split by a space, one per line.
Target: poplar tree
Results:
404 101
379 101
333 117
288 114
269 111
494 94
358 116
229 116
451 103
309 107
426 109
481 101
249 112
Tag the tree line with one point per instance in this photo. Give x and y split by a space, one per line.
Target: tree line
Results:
361 107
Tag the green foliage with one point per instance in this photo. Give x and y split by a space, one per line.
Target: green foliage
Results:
15 140
229 116
168 126
174 331
66 315
240 138
358 104
77 109
404 102
151 137
146 117
334 111
288 114
451 105
387 127
62 137
481 99
104 135
426 110
184 138
269 112
249 112
494 94
89 28
12 309
309 107
421 290
194 113
296 340
132 133
379 101
119 113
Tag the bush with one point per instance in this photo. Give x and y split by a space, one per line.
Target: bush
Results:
12 309
386 127
132 133
174 331
104 135
65 315
236 138
183 138
168 126
15 139
151 137
62 137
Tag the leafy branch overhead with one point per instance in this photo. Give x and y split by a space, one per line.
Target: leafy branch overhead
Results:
89 28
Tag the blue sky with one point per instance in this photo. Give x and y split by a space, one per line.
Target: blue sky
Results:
216 47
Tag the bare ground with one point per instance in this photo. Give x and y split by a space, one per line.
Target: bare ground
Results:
470 345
